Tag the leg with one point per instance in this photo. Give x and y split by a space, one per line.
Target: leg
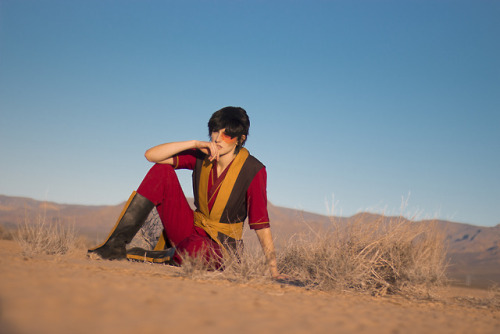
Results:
130 221
161 186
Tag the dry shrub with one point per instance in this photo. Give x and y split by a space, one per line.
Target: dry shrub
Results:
5 234
37 236
196 267
248 265
386 255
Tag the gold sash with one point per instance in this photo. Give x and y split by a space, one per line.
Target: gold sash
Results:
210 220
213 227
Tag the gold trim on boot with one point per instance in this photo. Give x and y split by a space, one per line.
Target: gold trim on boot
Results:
131 219
153 256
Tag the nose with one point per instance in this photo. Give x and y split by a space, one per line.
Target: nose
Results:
218 137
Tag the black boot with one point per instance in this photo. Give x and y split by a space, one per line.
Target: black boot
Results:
132 218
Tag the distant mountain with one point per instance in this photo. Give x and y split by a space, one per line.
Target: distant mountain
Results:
92 221
474 251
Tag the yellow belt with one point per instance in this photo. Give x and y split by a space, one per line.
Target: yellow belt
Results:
213 227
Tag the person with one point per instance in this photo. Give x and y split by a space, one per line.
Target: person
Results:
229 185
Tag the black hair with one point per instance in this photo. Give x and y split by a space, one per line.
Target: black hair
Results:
234 120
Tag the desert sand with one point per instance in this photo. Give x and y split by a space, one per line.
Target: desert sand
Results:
73 294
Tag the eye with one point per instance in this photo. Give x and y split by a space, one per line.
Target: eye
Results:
228 139
226 136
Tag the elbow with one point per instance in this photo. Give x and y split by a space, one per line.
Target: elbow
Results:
148 156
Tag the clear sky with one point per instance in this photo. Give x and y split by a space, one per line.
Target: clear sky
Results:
360 104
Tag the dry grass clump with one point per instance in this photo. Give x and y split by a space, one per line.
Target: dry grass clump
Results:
247 266
386 255
37 236
5 234
197 267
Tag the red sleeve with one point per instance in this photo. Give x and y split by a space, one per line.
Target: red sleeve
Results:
258 216
186 159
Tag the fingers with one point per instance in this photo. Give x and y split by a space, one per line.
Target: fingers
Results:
214 151
211 149
281 277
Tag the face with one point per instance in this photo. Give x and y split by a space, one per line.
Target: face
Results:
225 143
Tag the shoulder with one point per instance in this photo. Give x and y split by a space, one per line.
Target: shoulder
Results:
254 161
253 165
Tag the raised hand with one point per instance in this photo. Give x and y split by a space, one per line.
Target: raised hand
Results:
210 148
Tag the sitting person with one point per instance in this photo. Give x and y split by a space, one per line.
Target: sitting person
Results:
229 184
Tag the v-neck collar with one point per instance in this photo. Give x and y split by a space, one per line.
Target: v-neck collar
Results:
216 183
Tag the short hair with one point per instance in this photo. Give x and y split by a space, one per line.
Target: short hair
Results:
234 120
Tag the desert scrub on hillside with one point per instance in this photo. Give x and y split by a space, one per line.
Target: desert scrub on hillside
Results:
37 236
387 255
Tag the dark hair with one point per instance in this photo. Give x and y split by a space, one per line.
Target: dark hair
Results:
234 120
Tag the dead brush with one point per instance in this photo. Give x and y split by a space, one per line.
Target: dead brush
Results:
379 257
246 266
37 236
5 234
249 265
198 266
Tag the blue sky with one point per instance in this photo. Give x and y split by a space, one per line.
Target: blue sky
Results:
360 104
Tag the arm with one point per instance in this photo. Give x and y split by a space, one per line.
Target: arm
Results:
164 153
267 244
258 219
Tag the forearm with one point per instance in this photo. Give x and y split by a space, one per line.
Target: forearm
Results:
267 244
162 153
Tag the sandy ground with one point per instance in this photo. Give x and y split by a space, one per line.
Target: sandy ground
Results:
71 294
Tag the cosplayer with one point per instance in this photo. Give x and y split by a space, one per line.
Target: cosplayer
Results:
229 185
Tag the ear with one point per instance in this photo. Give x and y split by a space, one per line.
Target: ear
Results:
242 140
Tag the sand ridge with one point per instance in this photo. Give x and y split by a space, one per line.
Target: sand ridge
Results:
71 294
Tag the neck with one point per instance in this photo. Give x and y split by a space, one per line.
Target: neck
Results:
225 160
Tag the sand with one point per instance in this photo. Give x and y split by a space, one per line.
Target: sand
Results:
72 294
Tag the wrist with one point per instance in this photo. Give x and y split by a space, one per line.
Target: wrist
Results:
274 270
199 145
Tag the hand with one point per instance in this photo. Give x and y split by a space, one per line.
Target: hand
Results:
281 277
209 148
276 275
